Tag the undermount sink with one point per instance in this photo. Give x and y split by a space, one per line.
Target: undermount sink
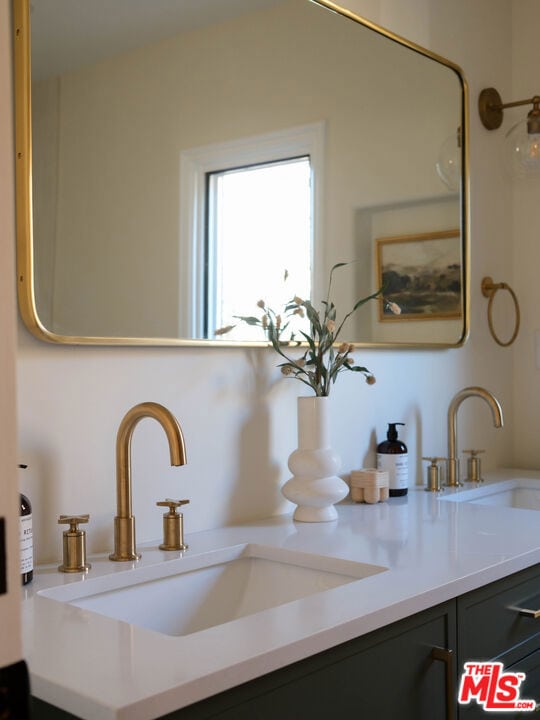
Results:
192 593
523 494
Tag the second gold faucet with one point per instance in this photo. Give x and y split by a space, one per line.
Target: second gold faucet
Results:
124 522
453 479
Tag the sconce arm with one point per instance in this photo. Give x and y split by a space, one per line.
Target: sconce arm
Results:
491 106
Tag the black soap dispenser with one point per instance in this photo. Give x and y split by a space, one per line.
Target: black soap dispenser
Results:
393 457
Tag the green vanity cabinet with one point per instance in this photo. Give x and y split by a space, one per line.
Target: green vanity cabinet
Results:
491 627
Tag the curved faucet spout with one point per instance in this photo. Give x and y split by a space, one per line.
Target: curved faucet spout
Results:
496 412
124 522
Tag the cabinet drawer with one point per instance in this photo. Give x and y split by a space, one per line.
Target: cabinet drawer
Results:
529 690
489 623
530 665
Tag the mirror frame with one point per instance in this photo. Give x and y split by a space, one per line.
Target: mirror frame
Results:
23 186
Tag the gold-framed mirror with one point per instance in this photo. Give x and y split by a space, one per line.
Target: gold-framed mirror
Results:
126 118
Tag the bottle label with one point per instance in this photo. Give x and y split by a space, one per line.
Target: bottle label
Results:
27 545
397 467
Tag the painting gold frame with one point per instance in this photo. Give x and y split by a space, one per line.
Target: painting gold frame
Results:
421 273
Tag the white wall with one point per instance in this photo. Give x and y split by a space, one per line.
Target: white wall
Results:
525 239
239 417
10 643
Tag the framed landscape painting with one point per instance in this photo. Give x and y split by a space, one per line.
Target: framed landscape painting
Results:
422 274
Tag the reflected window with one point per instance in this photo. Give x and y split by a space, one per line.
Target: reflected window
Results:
259 242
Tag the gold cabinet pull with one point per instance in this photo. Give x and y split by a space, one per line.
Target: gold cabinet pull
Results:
527 612
447 657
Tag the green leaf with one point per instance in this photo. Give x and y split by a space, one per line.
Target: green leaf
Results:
362 301
313 316
338 265
356 368
334 267
332 311
249 320
309 340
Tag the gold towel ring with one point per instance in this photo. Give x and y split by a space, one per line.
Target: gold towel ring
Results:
489 289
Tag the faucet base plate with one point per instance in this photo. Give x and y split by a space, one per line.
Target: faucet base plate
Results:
124 558
181 546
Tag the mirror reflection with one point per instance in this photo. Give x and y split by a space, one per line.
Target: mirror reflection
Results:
178 178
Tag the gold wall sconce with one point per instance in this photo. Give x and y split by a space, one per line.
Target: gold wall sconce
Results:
522 141
489 290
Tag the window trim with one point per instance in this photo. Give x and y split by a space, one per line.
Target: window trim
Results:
196 163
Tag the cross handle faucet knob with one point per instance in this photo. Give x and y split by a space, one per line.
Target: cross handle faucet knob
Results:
74 544
73 521
173 525
172 504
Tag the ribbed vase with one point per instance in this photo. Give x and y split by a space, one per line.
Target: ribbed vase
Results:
314 487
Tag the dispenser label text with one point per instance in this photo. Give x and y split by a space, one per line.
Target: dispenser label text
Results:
490 686
397 467
27 560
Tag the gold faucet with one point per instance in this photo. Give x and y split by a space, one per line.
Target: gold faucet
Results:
496 411
124 522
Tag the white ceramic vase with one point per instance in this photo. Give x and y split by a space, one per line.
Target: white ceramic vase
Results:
314 487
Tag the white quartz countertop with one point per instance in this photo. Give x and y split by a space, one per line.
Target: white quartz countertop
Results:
99 668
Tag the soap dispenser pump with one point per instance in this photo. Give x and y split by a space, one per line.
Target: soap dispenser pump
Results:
393 457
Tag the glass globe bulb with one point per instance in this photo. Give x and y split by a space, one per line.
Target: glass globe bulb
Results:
522 151
448 163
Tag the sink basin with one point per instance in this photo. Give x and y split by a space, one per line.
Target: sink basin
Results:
523 494
192 593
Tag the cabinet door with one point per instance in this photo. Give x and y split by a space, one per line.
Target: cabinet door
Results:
390 673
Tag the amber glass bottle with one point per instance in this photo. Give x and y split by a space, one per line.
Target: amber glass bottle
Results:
26 541
392 456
